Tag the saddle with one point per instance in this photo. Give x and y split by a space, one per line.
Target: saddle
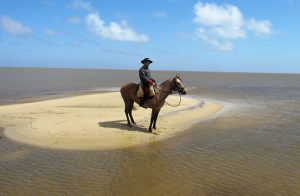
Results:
140 91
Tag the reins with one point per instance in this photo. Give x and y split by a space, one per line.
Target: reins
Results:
171 92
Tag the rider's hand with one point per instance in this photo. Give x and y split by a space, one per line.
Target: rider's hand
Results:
153 81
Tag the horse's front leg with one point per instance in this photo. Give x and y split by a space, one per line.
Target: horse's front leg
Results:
155 118
151 122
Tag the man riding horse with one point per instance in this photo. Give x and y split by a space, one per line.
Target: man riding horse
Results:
146 80
167 87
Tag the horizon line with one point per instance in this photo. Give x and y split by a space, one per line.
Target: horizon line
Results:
163 70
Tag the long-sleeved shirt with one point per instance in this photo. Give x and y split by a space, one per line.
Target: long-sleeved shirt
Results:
145 75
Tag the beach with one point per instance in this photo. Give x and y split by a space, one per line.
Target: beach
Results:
97 121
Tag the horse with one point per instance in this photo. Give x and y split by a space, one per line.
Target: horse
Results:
162 91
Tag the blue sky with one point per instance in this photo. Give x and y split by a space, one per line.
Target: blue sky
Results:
233 36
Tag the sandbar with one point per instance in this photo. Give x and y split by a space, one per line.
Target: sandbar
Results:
97 121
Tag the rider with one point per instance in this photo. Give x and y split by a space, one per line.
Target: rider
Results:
146 80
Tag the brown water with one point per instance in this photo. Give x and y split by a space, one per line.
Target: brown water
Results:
252 148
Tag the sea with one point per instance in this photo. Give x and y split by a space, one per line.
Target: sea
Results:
250 148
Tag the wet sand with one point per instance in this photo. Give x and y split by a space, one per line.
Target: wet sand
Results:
97 121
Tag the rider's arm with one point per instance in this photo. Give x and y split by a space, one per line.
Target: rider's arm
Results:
152 79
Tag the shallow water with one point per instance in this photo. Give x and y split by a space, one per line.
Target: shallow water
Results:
253 148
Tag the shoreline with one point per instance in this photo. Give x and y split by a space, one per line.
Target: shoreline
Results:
97 121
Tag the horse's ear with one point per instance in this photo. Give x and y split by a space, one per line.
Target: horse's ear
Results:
177 75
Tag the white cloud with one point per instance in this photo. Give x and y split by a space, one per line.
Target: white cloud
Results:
81 4
219 25
116 31
159 14
229 32
214 15
220 45
260 28
75 20
14 27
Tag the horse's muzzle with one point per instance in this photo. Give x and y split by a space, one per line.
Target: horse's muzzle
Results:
183 91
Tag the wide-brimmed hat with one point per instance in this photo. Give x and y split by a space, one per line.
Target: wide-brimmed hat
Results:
145 60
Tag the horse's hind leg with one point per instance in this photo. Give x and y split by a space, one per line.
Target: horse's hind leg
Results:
127 113
130 111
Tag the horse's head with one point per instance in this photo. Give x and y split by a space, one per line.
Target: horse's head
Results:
178 85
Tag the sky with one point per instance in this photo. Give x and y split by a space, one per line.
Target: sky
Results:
222 36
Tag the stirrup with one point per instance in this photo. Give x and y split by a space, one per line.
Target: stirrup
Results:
144 105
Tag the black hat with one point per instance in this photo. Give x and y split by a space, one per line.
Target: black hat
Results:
146 59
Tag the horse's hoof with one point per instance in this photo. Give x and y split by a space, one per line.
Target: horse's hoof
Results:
129 125
154 128
150 130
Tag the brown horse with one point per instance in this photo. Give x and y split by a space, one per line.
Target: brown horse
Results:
162 91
